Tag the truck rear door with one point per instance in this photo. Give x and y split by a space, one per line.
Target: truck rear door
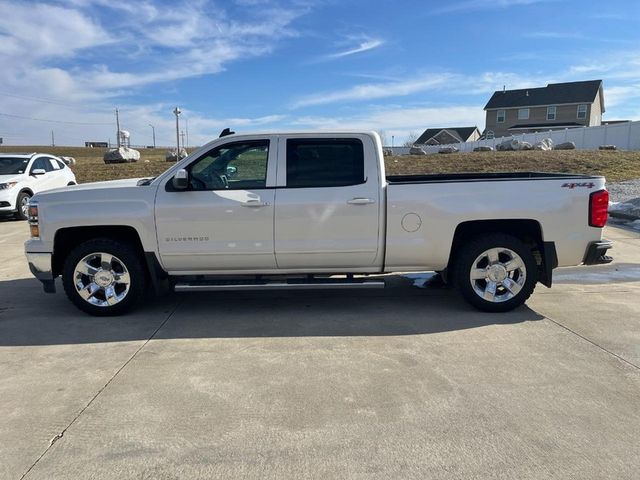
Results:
328 204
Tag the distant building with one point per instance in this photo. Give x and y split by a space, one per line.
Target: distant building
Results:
96 144
554 107
446 136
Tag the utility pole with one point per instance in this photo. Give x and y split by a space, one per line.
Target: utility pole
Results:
153 132
177 112
392 139
187 120
182 135
53 141
118 128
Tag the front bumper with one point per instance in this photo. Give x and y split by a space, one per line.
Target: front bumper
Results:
41 267
596 253
8 200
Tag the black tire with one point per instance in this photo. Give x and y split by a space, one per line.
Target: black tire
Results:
464 262
126 254
20 214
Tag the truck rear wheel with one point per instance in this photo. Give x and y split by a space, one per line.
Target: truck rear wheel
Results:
103 277
495 273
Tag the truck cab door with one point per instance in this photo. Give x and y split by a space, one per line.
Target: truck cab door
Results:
223 222
328 204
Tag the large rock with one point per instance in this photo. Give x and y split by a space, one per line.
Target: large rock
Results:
121 155
545 144
514 145
448 149
565 146
629 209
172 156
387 152
416 151
68 160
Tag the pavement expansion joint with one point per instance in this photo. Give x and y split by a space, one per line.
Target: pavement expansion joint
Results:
64 430
622 359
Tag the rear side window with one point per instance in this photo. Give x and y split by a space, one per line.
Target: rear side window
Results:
324 162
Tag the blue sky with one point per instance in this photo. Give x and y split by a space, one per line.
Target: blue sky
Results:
395 67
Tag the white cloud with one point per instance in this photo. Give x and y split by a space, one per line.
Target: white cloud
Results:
374 91
398 121
43 31
454 83
364 46
472 5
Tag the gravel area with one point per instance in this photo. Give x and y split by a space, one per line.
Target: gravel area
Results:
621 191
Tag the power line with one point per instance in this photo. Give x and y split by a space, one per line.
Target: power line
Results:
38 99
53 121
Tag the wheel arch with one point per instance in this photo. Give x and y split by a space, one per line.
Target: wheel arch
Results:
66 239
529 231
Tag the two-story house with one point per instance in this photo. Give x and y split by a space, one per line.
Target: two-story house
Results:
554 107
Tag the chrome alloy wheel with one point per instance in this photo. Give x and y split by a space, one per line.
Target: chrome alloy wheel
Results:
24 205
498 275
102 279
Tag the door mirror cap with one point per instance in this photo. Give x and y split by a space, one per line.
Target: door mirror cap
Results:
181 180
38 171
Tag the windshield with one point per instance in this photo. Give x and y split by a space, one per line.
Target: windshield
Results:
13 165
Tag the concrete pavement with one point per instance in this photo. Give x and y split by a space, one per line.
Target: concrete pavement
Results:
401 383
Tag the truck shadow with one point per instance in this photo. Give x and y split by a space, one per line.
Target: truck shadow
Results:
29 317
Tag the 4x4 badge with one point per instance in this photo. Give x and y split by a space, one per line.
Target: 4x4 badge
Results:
574 185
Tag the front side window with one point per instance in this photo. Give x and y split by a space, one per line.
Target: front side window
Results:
332 162
233 166
582 111
551 113
523 114
500 117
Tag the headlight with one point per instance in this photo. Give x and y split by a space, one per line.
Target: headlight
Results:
33 220
7 185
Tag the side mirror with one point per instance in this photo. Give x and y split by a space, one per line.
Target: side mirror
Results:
232 171
38 171
181 180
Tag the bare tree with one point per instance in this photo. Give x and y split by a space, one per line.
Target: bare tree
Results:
410 139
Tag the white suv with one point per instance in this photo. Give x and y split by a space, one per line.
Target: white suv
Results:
24 175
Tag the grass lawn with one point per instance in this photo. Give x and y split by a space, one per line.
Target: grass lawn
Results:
615 166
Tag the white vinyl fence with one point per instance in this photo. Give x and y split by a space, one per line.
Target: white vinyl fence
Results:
625 136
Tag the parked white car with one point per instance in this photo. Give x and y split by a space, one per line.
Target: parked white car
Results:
24 175
289 210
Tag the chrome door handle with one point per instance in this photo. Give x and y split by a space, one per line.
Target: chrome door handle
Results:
255 204
360 201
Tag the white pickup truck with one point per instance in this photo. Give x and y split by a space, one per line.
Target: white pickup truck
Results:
311 210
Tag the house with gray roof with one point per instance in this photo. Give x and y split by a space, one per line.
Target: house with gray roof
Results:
554 107
448 135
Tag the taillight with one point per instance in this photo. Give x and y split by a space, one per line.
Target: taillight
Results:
598 208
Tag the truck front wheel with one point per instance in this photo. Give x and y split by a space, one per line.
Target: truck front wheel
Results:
103 277
495 273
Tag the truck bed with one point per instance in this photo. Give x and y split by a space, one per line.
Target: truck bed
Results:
482 177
